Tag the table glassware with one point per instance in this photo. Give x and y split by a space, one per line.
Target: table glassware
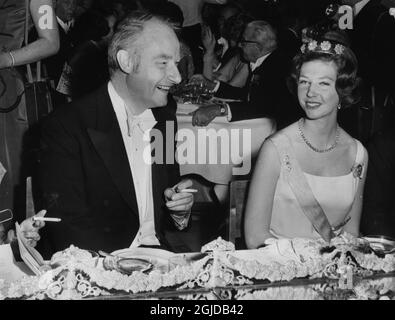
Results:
194 93
381 243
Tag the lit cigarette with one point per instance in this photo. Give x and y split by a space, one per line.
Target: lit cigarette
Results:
47 219
188 190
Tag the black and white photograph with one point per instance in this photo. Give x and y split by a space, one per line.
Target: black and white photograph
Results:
193 155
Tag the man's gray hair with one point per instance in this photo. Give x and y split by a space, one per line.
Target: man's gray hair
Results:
264 33
126 37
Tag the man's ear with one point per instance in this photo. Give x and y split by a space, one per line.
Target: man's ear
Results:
125 61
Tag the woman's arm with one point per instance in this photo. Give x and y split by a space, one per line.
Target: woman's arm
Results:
226 72
47 43
234 72
209 58
260 197
239 79
355 213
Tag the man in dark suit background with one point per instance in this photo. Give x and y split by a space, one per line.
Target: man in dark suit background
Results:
265 93
95 170
372 39
65 12
378 216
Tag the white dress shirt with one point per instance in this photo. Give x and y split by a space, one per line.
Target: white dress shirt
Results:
258 62
135 133
65 25
359 6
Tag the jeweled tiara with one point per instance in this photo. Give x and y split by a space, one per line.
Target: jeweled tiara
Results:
323 46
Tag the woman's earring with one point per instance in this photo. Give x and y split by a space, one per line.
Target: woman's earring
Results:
339 106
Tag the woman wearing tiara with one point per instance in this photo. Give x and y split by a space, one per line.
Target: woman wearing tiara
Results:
309 177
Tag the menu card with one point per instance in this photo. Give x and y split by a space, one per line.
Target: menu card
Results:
29 255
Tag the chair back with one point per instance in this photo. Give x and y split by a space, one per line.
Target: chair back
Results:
237 202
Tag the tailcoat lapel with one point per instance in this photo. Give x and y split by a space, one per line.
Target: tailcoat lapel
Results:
107 139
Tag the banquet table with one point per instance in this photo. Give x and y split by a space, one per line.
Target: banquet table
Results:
379 286
364 286
375 287
221 150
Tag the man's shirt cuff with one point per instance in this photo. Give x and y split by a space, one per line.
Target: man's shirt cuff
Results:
181 221
217 84
229 115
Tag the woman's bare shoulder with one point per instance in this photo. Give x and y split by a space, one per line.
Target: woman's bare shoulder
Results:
273 141
351 144
287 131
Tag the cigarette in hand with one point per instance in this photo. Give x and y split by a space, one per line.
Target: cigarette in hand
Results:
47 219
188 190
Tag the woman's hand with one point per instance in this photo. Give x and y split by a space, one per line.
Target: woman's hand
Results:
30 228
208 39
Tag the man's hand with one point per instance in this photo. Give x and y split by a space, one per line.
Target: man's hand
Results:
179 201
202 81
204 115
30 228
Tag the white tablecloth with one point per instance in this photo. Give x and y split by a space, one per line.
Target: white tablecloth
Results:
201 151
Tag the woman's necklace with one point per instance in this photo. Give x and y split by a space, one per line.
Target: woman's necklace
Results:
333 146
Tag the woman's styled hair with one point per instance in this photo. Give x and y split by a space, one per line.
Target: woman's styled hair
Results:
347 82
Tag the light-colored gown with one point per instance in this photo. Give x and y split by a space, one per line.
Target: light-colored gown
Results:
13 119
334 194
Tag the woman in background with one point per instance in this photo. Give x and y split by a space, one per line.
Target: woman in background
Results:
13 121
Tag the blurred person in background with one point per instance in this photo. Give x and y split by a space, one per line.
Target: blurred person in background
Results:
13 119
309 178
378 216
87 65
372 39
265 93
83 6
229 66
174 14
65 14
191 28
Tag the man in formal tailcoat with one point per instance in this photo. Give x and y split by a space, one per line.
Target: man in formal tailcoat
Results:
95 170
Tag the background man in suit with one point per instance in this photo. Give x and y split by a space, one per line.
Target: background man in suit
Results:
378 215
265 93
372 40
95 168
65 12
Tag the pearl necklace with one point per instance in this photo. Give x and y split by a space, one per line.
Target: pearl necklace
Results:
333 146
